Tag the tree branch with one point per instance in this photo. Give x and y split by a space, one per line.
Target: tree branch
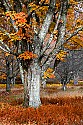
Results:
51 36
4 31
3 49
47 21
6 6
61 31
73 34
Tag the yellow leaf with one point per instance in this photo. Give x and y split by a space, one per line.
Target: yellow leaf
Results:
7 54
55 32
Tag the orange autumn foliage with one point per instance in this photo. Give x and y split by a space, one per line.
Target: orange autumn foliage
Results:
19 18
27 55
49 73
21 22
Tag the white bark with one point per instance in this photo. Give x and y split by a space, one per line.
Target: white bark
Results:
34 85
52 35
45 26
21 72
62 28
3 49
47 21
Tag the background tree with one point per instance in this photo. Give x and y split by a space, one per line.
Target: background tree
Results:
2 68
9 69
72 67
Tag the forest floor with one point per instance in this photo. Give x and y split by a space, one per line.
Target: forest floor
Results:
58 107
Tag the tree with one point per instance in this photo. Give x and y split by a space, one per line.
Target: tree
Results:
71 68
12 70
31 22
8 69
2 70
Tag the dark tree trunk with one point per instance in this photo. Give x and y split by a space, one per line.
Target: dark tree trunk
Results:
8 86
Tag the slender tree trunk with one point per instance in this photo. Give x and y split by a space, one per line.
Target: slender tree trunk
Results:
21 72
8 87
12 72
20 65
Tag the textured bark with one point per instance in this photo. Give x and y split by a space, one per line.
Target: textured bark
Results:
34 84
26 90
47 21
62 25
21 72
34 70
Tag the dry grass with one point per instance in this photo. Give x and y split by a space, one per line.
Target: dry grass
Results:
55 110
2 86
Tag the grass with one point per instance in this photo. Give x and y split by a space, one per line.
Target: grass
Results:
58 84
79 82
53 85
3 86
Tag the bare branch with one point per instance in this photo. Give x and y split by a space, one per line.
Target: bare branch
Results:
21 2
6 6
3 49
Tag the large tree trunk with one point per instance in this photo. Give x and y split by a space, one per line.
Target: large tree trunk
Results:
32 87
